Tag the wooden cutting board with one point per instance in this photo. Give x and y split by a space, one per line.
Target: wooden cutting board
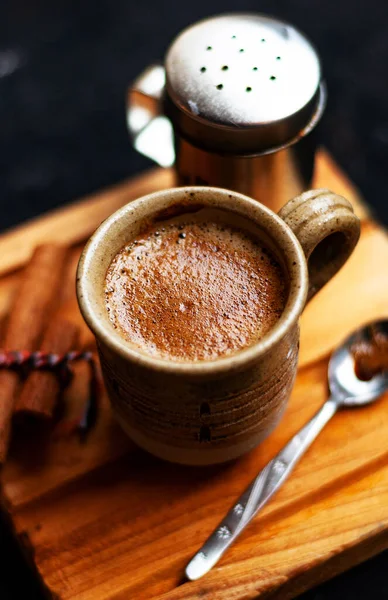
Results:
103 520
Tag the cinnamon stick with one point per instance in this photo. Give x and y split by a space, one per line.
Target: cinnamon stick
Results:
42 387
34 303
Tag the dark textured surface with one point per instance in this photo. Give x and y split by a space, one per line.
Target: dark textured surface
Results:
64 69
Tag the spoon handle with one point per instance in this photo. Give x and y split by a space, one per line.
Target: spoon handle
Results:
257 494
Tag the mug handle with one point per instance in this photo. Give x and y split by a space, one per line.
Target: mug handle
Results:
326 228
150 130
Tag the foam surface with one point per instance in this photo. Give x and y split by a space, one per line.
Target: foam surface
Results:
194 291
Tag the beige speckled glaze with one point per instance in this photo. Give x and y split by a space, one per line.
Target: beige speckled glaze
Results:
212 411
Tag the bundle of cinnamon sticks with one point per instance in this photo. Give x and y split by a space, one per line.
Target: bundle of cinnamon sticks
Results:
33 324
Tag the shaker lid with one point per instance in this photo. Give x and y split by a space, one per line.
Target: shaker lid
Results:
243 82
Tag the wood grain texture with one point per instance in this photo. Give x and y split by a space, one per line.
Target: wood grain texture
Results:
103 520
76 222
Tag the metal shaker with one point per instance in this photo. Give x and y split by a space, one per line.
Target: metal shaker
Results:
235 106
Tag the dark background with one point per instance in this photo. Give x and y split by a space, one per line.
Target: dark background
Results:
64 69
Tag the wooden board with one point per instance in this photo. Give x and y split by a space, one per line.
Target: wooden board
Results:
103 520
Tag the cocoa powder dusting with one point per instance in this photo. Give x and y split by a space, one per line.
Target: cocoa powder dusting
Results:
194 291
371 357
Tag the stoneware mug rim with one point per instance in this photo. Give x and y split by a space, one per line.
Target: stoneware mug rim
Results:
287 243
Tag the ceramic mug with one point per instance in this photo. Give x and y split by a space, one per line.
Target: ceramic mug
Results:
212 411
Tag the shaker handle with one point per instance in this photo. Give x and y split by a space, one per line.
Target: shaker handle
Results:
150 130
327 229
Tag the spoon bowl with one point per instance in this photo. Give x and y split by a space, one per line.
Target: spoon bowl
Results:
344 384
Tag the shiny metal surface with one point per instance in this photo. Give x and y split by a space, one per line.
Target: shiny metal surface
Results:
151 132
346 391
242 82
233 115
270 178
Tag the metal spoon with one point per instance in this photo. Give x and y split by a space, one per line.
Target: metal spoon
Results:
346 391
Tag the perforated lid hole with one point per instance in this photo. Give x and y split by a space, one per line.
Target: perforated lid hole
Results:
219 86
